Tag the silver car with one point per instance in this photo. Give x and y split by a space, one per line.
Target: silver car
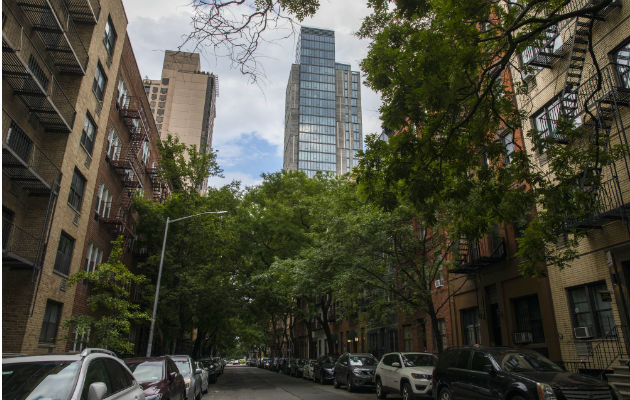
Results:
95 374
192 376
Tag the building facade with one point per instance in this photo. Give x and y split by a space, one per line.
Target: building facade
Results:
183 101
323 128
126 169
590 297
59 63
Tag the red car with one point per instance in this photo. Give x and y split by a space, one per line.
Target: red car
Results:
159 377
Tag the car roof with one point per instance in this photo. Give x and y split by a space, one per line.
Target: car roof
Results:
42 358
143 359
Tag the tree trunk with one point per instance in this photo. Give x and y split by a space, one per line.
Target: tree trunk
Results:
324 305
434 323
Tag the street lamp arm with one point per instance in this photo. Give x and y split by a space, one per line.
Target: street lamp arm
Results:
195 215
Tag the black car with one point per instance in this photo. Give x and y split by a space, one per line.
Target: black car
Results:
296 367
324 368
212 367
479 372
355 370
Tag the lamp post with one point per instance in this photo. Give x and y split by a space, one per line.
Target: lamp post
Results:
157 286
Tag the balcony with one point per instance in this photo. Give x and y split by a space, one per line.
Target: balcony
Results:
475 255
609 206
134 115
32 81
19 247
119 216
614 89
546 52
52 20
576 5
84 11
26 164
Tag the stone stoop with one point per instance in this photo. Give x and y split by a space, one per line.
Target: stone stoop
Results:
620 379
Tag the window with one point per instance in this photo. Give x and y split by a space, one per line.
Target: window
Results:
164 90
64 254
88 133
545 121
103 202
154 89
407 338
118 375
470 326
480 362
621 58
77 187
79 342
508 144
154 96
165 81
96 372
123 94
529 318
160 111
591 307
52 316
109 38
442 330
100 81
19 142
113 145
162 97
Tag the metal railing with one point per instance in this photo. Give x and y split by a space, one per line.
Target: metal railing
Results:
614 87
20 245
606 352
51 18
575 5
24 161
86 11
486 251
131 108
39 91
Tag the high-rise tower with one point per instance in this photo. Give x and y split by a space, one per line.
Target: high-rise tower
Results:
323 129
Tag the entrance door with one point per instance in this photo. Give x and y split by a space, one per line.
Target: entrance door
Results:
495 325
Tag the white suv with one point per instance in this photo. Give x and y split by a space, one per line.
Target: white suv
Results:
95 374
406 373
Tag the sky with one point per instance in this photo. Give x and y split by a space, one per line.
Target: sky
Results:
249 126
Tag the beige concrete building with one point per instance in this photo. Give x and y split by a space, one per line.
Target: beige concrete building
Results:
590 297
183 102
59 63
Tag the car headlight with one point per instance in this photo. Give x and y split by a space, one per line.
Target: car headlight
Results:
545 392
154 397
421 376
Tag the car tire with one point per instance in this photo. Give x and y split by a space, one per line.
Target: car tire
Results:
380 392
349 386
445 394
406 393
336 382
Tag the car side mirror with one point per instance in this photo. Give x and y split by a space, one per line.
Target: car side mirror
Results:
97 391
396 364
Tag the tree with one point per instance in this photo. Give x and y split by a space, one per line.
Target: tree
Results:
112 310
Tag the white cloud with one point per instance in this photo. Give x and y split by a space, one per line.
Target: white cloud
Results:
158 25
243 178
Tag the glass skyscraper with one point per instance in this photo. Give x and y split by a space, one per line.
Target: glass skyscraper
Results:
323 128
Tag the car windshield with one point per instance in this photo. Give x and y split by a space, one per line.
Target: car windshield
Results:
39 380
148 371
328 362
519 361
362 361
184 367
418 360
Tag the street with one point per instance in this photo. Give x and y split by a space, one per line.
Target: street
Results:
254 383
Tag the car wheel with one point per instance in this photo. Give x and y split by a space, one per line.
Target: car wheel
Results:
349 386
336 382
445 394
380 393
406 392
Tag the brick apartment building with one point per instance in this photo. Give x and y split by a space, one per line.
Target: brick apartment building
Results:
59 63
590 297
127 168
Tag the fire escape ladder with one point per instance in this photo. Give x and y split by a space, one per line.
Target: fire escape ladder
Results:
575 66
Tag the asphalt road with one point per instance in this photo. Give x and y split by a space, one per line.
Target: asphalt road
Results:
247 383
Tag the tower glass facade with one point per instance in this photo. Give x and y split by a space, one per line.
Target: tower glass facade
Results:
323 122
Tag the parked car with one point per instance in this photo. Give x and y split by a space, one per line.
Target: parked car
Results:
211 367
307 371
205 376
94 373
323 370
408 374
159 377
507 373
296 367
289 366
282 364
355 370
192 376
264 362
220 363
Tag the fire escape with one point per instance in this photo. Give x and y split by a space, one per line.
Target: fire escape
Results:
473 256
128 166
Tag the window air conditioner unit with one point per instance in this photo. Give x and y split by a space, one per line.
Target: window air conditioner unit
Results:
583 332
439 283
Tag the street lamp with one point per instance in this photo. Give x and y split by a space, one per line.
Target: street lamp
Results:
157 286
